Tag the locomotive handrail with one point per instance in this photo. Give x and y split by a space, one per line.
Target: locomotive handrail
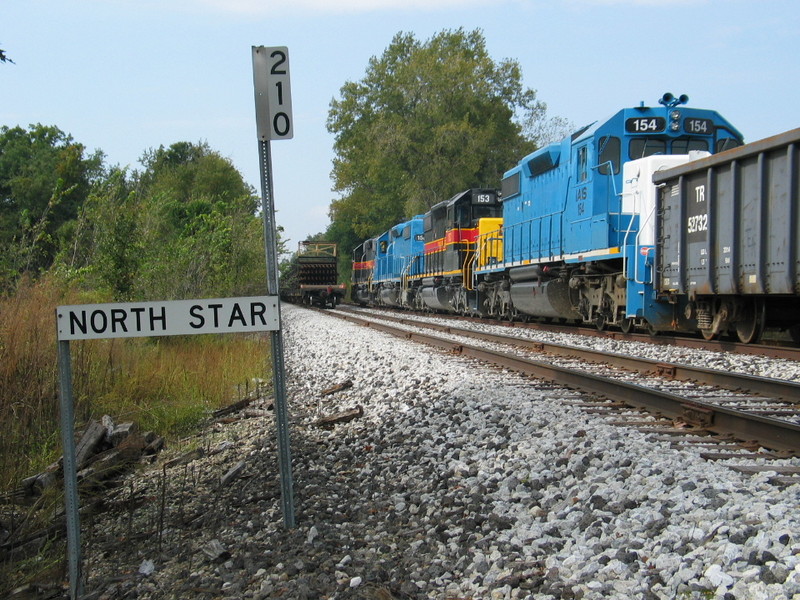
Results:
473 261
636 275
466 271
405 273
625 256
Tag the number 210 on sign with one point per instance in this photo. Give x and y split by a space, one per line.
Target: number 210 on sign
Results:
273 93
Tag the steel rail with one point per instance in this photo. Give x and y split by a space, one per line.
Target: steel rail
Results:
789 352
763 386
770 433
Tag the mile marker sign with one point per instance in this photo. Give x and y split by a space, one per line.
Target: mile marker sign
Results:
273 93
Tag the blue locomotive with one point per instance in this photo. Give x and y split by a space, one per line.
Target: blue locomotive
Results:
572 241
427 262
575 234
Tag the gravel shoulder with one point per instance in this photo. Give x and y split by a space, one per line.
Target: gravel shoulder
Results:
459 481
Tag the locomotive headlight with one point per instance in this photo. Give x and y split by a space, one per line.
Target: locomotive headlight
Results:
674 126
675 115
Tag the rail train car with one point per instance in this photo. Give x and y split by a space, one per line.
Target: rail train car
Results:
452 229
363 272
427 262
602 228
398 262
313 276
567 234
727 239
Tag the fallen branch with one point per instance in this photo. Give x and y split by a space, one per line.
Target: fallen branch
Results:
236 406
340 417
338 388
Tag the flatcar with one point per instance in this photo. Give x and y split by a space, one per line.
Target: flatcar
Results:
312 277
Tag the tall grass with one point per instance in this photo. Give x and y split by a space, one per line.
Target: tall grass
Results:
164 384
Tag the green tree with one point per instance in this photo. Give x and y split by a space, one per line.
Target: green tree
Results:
197 228
105 248
45 176
426 121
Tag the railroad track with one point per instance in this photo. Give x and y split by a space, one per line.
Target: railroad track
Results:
759 413
778 349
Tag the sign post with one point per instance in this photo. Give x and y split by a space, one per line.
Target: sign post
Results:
137 319
71 501
274 121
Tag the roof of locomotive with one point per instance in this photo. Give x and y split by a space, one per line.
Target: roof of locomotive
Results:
548 156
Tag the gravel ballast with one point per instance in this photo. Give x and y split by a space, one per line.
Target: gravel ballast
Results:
458 481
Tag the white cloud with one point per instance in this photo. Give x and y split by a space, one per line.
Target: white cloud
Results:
260 7
653 3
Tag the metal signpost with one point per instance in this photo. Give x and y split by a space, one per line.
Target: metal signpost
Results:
187 317
138 319
274 122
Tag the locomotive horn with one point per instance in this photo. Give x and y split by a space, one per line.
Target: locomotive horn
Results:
666 99
683 99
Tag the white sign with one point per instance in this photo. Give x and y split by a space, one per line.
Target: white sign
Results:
177 317
273 93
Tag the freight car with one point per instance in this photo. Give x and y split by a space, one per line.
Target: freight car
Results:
312 277
727 229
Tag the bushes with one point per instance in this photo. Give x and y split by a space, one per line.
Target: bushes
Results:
164 384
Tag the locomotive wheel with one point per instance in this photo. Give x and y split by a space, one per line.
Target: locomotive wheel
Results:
708 334
750 327
626 325
600 322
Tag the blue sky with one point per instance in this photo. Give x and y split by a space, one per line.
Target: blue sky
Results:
124 76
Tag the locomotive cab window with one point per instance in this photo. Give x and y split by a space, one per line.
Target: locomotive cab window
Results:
461 215
510 185
727 144
583 163
641 147
608 152
484 211
438 223
683 145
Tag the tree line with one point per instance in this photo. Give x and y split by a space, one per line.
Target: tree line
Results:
185 225
428 119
